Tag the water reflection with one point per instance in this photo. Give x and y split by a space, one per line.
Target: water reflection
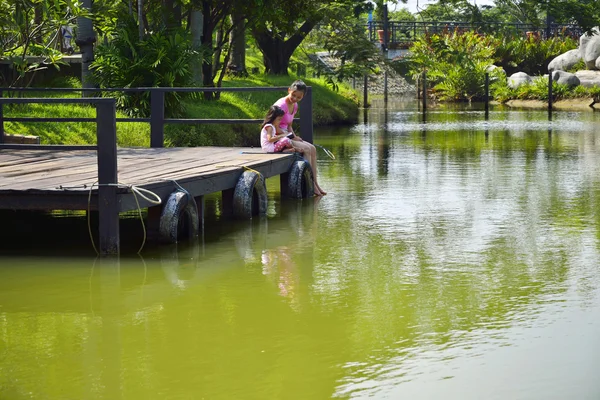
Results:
441 260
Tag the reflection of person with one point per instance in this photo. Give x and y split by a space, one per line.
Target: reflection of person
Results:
272 138
279 266
289 105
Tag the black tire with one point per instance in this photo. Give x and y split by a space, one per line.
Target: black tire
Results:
250 195
179 218
300 180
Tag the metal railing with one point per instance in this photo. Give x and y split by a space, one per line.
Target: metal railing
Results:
157 118
405 32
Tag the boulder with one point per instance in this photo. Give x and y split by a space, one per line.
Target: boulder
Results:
584 39
517 79
591 52
565 61
565 78
588 78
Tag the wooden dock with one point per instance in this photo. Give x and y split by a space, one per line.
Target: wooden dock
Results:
111 180
56 179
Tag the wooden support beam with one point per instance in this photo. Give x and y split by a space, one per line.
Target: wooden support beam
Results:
108 207
306 116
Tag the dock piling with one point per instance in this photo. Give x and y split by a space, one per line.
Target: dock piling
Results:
108 208
157 118
306 124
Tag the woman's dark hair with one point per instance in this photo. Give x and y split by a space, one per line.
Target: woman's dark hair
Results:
298 86
274 112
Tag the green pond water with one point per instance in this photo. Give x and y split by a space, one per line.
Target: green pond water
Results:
456 258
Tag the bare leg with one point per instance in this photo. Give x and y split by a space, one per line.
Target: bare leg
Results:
310 154
314 164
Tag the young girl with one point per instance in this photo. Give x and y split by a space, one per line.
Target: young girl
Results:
289 104
272 138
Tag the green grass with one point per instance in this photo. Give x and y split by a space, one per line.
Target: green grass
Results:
329 107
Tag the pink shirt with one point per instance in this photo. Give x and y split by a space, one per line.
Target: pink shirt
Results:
288 117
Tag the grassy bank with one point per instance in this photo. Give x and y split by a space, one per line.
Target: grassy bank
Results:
538 90
329 108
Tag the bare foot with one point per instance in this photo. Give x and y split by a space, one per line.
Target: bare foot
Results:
317 192
323 193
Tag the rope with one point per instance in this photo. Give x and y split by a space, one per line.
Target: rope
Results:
137 191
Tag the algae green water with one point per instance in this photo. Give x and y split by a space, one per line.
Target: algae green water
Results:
456 258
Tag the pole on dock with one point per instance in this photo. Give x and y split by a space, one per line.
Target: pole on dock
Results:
306 116
487 95
108 208
365 88
550 96
157 117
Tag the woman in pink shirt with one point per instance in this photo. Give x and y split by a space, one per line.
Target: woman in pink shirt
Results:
289 104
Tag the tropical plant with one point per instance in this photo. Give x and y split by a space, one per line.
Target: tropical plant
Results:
159 60
530 54
455 63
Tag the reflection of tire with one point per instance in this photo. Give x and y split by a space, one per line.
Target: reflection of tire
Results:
250 195
300 180
179 218
180 263
250 238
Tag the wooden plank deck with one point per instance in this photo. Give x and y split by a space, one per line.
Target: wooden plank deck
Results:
56 179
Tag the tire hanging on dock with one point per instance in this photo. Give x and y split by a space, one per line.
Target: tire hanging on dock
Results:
250 195
179 218
300 180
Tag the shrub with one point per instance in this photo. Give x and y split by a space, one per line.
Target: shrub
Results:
159 60
456 63
530 54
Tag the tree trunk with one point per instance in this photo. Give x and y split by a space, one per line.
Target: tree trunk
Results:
276 50
207 43
141 19
196 26
217 54
86 37
37 21
237 44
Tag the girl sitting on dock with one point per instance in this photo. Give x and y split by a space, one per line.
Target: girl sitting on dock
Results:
272 138
289 104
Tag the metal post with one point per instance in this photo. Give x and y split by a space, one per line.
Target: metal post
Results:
424 86
385 28
385 86
487 95
1 120
365 88
108 208
157 117
306 116
550 96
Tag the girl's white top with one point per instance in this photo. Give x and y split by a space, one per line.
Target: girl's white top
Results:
268 147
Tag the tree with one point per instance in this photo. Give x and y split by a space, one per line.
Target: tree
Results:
279 33
30 28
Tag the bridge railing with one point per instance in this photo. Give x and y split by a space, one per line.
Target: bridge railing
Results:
405 32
